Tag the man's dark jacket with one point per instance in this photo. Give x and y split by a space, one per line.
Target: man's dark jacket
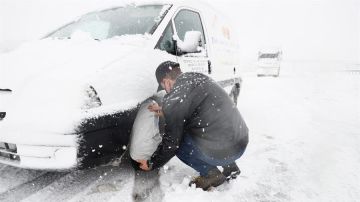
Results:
198 106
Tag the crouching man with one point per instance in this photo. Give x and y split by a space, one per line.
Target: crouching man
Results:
203 127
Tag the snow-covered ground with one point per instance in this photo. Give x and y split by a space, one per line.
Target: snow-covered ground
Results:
304 146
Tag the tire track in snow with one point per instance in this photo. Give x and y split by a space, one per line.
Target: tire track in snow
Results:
2 166
104 183
12 177
26 189
66 187
96 184
115 182
147 186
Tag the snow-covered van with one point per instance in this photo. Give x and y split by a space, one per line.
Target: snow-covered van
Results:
268 63
70 99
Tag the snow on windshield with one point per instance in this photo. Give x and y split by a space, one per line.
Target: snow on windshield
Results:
129 20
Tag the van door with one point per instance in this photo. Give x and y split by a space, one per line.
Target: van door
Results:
183 21
188 20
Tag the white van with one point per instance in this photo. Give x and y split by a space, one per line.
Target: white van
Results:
69 100
269 61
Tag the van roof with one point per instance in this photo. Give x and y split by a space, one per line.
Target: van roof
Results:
174 2
116 3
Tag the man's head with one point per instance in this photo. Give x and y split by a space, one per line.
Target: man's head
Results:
166 75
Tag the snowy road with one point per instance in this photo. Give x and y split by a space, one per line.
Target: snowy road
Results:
304 146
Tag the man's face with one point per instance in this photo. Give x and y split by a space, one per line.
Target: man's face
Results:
167 84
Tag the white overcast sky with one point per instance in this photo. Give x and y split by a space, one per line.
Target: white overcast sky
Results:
310 30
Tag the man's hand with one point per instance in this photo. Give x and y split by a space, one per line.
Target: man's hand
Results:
144 165
154 107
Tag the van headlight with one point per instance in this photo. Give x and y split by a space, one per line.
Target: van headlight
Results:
92 99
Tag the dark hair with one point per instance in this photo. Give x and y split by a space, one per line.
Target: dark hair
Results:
174 73
168 69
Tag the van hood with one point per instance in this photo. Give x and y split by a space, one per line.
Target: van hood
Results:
76 58
50 90
49 80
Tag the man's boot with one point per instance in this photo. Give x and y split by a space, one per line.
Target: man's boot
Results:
231 171
214 178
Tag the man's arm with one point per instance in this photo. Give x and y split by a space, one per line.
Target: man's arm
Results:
175 108
171 140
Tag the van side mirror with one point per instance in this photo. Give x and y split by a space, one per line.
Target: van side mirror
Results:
191 43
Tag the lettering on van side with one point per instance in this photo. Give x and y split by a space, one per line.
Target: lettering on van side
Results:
197 66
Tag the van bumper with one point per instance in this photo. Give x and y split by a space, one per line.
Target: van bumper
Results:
39 157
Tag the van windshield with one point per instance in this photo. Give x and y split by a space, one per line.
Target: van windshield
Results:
129 20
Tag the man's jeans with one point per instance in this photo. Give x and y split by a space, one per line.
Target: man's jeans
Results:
190 154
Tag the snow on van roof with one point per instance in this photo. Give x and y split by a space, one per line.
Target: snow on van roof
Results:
101 4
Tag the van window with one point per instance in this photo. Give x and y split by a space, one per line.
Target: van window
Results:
187 20
166 42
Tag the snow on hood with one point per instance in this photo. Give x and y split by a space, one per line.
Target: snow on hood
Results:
79 56
51 77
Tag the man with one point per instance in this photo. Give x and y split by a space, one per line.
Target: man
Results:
203 127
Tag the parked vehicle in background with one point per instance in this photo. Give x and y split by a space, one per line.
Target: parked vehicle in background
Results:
268 63
69 100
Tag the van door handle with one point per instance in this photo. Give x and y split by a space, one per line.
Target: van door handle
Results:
209 67
2 115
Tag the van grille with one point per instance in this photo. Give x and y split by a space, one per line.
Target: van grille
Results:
9 151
